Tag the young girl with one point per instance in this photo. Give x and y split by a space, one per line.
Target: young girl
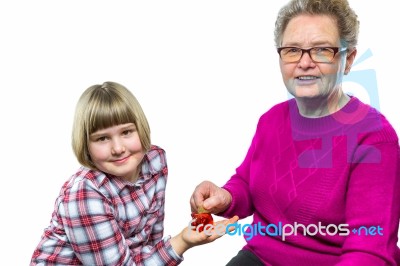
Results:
111 211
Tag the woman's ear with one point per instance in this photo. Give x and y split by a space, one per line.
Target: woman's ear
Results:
349 60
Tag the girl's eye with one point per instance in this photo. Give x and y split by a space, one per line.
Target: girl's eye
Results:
101 139
127 132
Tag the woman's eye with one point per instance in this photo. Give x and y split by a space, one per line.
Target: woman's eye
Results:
322 49
291 51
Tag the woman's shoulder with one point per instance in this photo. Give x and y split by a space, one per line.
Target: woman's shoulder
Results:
374 123
278 111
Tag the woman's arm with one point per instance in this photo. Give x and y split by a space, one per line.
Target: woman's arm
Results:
373 201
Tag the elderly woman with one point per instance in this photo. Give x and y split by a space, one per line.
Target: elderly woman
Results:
322 174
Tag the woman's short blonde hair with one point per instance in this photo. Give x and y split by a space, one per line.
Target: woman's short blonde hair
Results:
346 18
103 106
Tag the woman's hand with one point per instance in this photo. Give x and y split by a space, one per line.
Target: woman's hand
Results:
209 196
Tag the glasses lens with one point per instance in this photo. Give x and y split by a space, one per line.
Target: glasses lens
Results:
290 54
322 54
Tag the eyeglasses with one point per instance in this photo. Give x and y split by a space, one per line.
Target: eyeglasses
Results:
317 54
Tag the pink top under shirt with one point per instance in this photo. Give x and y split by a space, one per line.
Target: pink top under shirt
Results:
339 169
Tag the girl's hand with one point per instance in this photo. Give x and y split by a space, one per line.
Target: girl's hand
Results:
191 236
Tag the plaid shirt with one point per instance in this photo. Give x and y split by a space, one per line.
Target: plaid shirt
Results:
100 219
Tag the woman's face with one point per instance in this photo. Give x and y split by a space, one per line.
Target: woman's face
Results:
306 78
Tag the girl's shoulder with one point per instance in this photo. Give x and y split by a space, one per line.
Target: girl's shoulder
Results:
155 160
84 176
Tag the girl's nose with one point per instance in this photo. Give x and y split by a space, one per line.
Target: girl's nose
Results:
117 147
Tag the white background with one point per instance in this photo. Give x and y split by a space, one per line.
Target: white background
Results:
204 71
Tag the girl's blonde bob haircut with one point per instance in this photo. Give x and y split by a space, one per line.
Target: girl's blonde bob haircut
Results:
103 106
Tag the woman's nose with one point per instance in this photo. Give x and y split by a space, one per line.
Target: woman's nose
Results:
306 61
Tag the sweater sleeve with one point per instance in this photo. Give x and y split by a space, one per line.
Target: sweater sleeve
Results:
373 207
238 184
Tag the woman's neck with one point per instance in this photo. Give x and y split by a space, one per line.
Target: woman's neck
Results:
319 107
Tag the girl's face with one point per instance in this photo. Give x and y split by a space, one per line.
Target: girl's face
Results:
117 150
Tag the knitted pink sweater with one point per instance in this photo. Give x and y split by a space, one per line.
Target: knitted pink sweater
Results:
322 191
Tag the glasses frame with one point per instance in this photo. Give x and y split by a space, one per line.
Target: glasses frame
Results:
308 51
